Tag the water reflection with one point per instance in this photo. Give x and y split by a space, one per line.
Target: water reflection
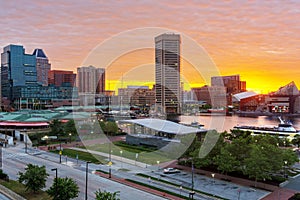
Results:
222 123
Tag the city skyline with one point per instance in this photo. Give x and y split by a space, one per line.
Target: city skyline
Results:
257 40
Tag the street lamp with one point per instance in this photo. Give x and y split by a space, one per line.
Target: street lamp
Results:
213 176
121 152
70 134
158 165
285 168
192 192
60 151
86 178
56 187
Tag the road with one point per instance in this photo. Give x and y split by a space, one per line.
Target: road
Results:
15 160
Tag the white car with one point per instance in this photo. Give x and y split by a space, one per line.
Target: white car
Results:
171 171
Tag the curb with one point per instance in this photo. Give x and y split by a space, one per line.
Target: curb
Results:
10 194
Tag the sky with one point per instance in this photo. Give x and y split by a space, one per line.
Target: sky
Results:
259 40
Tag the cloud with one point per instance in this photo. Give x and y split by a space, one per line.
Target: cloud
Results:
229 30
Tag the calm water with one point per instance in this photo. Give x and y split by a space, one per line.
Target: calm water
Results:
222 123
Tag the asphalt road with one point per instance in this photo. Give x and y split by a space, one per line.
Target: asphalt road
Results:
15 160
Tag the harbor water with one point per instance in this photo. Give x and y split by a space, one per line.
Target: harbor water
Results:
226 123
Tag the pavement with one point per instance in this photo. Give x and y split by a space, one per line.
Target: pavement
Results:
214 186
236 189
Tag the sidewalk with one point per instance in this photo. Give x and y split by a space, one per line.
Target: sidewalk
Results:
280 194
277 193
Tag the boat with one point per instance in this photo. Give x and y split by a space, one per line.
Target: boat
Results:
285 129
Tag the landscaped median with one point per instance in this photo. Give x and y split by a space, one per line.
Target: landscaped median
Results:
140 186
20 189
86 156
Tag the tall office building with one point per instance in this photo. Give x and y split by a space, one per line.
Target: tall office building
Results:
42 66
91 80
61 78
17 69
167 73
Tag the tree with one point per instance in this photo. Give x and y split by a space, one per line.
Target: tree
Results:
257 165
225 161
66 189
106 195
56 127
34 177
296 141
70 127
111 127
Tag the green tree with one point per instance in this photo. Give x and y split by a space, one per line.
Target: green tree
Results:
70 127
210 147
56 127
34 177
257 165
111 128
225 161
289 156
104 195
66 189
296 141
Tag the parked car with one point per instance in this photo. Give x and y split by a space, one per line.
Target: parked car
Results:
171 171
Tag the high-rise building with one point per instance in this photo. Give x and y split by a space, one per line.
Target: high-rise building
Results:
17 69
167 73
61 78
20 88
91 80
42 66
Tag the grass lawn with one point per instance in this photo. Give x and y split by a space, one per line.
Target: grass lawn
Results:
82 156
145 155
19 188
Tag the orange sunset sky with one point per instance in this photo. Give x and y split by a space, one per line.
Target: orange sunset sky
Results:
260 40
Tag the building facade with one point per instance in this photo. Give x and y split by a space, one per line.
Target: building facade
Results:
61 78
140 96
42 66
91 80
17 69
212 95
167 73
232 83
20 87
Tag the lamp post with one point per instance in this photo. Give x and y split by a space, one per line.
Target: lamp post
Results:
70 134
192 192
180 188
25 137
86 179
285 166
60 151
158 165
213 176
56 187
121 152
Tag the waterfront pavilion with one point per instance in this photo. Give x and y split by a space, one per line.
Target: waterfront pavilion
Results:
156 132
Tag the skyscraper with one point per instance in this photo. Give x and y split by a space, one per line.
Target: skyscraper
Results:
167 73
91 80
42 66
17 69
